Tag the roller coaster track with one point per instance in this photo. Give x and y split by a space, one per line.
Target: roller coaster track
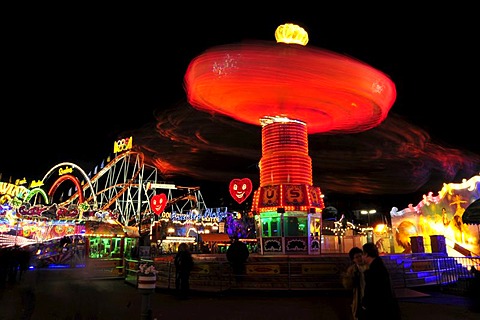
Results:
121 187
106 169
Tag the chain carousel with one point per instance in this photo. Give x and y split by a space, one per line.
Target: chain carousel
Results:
290 90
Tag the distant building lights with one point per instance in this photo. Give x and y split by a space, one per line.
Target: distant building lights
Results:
373 211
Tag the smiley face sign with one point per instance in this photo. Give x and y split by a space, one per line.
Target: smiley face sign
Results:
158 203
240 189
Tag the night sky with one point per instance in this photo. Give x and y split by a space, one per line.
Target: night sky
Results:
77 79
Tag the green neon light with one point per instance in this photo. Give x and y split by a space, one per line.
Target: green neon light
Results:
34 192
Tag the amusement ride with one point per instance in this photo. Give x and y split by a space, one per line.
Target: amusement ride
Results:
290 90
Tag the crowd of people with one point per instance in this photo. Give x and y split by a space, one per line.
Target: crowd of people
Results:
368 278
237 255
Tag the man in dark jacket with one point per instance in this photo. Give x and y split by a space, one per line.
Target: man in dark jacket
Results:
379 300
183 266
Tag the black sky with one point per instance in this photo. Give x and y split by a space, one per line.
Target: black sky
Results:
77 79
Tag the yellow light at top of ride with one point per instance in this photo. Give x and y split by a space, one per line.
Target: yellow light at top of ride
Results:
291 33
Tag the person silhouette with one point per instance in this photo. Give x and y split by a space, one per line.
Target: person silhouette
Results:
183 266
237 255
354 280
379 297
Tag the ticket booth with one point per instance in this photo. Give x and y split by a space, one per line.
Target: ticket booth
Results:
289 232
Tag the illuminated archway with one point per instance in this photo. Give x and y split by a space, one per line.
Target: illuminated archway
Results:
61 180
85 176
34 192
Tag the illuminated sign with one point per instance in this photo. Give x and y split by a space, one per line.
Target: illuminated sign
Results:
35 184
179 239
161 186
65 171
20 181
122 145
13 190
209 215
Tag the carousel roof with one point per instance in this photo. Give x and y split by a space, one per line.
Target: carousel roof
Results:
252 80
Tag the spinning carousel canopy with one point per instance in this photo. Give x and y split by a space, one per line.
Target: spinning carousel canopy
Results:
252 80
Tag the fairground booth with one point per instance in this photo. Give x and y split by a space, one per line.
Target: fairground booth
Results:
108 245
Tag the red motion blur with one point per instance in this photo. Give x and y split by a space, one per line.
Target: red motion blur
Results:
330 92
291 91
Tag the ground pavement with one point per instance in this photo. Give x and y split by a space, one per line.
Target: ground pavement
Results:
62 294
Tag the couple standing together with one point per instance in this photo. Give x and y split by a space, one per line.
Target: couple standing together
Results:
369 279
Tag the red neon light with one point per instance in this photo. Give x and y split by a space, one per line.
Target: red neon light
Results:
291 90
61 180
329 91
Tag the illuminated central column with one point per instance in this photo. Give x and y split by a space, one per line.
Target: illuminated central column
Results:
285 158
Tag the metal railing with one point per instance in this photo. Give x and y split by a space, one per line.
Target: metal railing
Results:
414 270
448 273
285 274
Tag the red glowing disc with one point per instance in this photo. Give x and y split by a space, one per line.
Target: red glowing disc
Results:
328 91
